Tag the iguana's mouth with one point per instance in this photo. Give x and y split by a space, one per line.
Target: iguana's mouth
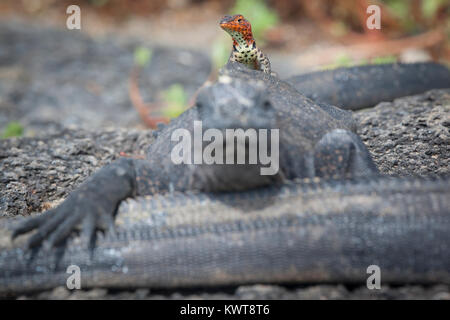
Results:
236 166
232 177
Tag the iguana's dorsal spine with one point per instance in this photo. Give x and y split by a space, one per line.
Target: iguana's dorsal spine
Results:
244 46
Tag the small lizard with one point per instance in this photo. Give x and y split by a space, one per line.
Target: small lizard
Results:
244 51
244 46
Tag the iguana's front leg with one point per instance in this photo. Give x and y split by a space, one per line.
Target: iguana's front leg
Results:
341 153
93 205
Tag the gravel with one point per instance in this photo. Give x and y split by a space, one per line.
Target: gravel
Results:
410 135
37 173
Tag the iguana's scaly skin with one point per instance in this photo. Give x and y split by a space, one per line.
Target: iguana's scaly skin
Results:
316 140
244 48
364 86
302 232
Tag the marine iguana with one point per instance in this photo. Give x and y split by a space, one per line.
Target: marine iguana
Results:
364 86
330 230
316 231
316 140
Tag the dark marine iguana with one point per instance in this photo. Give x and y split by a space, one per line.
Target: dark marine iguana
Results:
316 140
208 229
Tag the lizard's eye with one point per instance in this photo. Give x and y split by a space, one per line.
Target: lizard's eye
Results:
239 20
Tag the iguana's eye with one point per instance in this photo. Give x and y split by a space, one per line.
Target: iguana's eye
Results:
239 20
267 105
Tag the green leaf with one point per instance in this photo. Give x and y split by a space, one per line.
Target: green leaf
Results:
98 3
175 99
339 29
384 59
142 56
221 51
401 10
173 111
13 129
342 60
429 7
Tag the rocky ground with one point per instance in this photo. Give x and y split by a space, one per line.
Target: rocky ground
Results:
52 79
72 102
36 173
410 135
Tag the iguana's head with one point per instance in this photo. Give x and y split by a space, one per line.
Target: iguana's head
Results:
242 115
233 103
239 29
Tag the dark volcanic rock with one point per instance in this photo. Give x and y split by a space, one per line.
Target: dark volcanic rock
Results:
35 172
259 292
410 135
52 79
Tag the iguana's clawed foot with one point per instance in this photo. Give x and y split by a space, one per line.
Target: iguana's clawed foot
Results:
55 225
92 207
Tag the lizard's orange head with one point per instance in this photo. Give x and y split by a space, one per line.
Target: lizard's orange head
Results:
238 27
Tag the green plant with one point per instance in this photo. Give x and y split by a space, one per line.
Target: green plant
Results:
221 51
98 3
429 7
343 60
384 59
142 56
402 10
346 61
13 129
175 99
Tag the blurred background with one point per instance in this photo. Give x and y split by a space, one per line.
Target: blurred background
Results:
153 54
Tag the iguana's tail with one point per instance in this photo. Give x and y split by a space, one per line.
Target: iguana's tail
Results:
365 86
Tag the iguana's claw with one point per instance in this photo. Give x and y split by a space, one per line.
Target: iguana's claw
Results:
92 206
57 224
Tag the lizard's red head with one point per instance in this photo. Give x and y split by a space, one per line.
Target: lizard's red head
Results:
238 27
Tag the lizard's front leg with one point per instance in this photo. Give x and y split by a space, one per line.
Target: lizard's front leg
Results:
264 62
